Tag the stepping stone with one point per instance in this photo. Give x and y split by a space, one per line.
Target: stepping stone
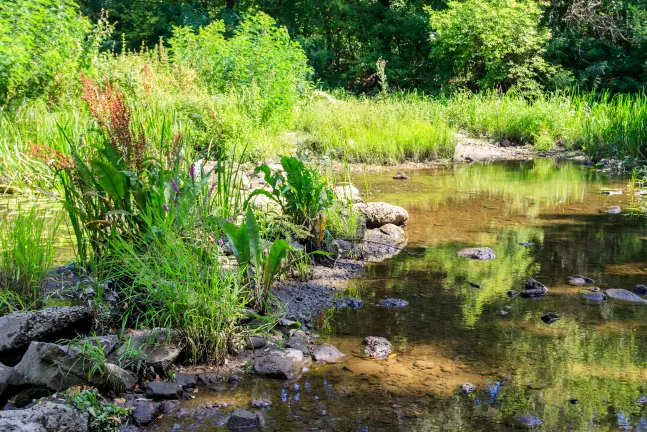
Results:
479 254
534 289
594 296
550 318
623 294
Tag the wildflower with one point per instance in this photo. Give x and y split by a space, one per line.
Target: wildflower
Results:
174 186
165 207
192 171
213 186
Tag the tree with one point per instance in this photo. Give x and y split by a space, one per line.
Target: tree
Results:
483 44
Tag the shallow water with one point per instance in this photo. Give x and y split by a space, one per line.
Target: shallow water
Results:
452 333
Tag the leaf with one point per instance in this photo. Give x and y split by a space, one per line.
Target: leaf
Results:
253 233
278 251
238 240
112 181
294 168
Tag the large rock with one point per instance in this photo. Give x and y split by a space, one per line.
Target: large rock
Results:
157 349
623 294
164 390
396 233
380 213
378 246
347 193
19 329
146 412
6 373
242 419
480 253
377 347
534 289
56 368
326 353
286 365
45 417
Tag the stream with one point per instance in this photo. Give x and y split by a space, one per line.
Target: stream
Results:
542 218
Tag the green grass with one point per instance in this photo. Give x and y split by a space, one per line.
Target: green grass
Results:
27 248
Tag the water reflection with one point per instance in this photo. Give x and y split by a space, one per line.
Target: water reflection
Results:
584 372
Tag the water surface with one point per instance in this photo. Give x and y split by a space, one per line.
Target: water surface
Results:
583 372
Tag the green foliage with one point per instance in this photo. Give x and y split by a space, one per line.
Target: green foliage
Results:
27 239
481 44
43 45
104 416
260 62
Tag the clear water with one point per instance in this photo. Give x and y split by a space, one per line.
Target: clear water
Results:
452 333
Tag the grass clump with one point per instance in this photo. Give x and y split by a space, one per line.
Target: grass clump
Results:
104 416
27 239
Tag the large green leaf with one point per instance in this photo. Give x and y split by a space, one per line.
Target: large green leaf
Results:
238 240
294 168
278 251
254 235
111 180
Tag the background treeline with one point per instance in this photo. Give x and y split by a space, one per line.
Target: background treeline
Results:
428 44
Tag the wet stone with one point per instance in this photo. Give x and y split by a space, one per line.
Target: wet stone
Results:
260 403
377 347
640 289
163 390
186 381
594 296
623 294
353 303
474 285
550 317
479 254
533 289
146 412
580 280
400 176
242 420
391 302
326 353
512 293
613 210
467 388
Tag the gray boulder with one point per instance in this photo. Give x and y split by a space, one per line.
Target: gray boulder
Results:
19 329
326 353
625 295
56 368
157 349
45 417
479 254
380 213
286 365
377 347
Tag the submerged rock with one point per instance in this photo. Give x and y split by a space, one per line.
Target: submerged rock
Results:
512 293
380 213
19 329
377 347
326 353
260 403
613 210
480 254
45 417
474 285
400 176
286 365
529 422
550 317
393 302
353 303
467 388
580 280
623 294
242 419
533 289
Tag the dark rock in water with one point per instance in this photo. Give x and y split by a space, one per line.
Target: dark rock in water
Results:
326 353
550 317
480 254
286 364
391 302
574 401
614 210
533 289
474 285
527 244
640 289
186 381
210 378
467 388
377 347
233 379
512 293
594 296
642 400
623 294
19 329
242 419
353 303
580 280
163 390
256 342
260 403
45 417
529 422
400 176
147 412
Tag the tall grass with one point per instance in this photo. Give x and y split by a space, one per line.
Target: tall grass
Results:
385 130
27 239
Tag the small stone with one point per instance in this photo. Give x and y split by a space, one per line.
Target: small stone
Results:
391 302
234 379
479 254
503 312
594 296
353 303
642 400
580 280
550 318
400 176
529 421
322 413
186 381
474 285
242 419
146 412
256 342
640 289
512 293
377 347
326 353
594 289
467 388
533 289
260 403
613 210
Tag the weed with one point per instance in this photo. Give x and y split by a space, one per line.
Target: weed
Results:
104 416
